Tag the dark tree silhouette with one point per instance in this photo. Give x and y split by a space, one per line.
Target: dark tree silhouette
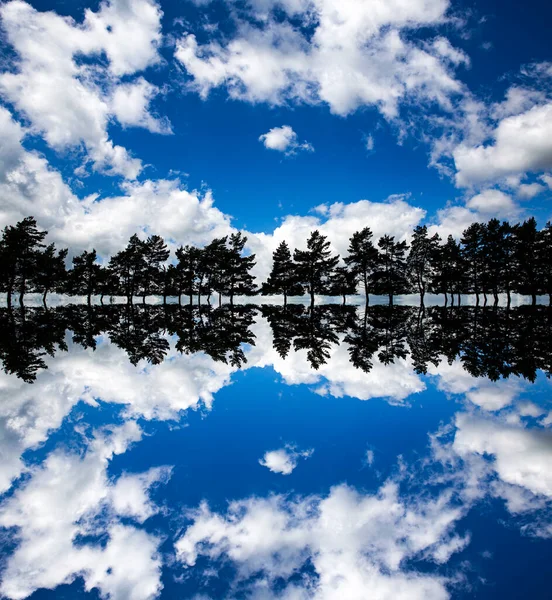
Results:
186 279
19 250
473 254
152 278
128 265
544 259
84 278
362 258
344 283
283 278
422 259
390 274
315 266
50 271
525 258
237 267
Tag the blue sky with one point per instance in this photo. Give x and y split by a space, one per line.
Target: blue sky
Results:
432 111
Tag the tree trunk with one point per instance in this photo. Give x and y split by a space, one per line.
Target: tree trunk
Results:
44 297
285 298
509 298
391 299
533 299
344 299
312 298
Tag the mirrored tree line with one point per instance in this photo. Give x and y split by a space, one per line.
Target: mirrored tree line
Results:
489 259
494 342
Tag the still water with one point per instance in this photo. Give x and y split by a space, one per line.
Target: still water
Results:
263 452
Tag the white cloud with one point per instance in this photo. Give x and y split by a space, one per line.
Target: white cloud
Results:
492 202
130 105
70 495
284 460
357 544
284 139
355 54
526 191
70 102
521 143
369 142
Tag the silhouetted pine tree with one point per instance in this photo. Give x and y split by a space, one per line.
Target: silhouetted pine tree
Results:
497 258
152 279
84 278
544 259
50 271
474 255
450 276
19 250
129 265
344 283
390 274
525 258
421 259
186 276
211 274
283 278
315 266
236 269
362 258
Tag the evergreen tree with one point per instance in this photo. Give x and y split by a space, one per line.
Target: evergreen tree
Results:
235 267
344 283
50 270
186 280
84 277
474 255
212 277
525 258
497 257
129 266
283 277
315 266
421 259
544 259
390 274
362 258
450 270
152 279
19 250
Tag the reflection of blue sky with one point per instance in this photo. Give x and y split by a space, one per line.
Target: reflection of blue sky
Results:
113 483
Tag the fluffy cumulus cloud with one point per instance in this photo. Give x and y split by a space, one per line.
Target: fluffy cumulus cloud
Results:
346 55
70 496
521 143
284 139
284 460
357 544
28 414
70 100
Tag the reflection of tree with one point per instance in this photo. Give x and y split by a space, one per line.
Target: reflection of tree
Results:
26 335
316 332
491 341
218 332
137 332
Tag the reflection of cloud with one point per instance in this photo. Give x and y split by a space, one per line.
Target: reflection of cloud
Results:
357 544
70 497
338 377
154 392
487 394
284 460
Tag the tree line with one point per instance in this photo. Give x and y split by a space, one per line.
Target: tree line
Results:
494 342
489 259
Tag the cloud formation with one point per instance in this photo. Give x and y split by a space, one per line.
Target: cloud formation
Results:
344 55
284 460
69 100
284 139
